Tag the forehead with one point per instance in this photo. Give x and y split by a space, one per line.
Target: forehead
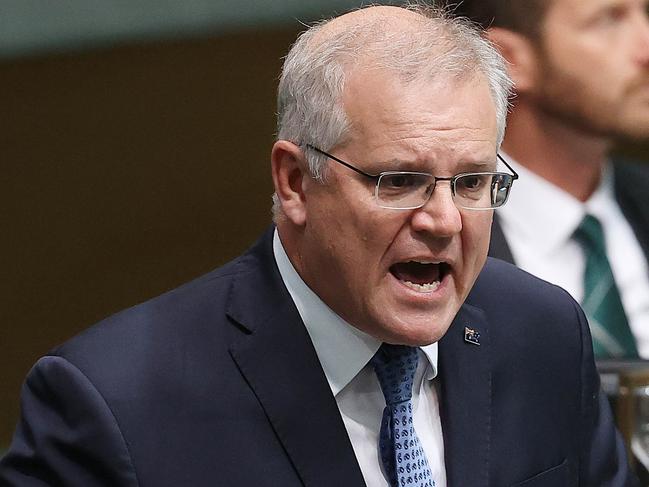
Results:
424 116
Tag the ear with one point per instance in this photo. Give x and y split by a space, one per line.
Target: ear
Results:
289 171
520 54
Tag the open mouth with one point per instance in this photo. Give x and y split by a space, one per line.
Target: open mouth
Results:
421 276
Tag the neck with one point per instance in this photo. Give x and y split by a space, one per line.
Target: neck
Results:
558 151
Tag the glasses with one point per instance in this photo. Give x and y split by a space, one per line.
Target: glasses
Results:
406 190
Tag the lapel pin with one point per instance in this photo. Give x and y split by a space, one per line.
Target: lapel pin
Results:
471 336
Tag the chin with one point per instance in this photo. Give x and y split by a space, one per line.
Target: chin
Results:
418 335
399 320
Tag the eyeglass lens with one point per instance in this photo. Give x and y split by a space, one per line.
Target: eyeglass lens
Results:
412 190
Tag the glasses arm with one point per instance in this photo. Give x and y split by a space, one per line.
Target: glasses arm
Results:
346 164
515 174
375 177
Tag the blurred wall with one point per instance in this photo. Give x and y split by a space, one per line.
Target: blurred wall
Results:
125 172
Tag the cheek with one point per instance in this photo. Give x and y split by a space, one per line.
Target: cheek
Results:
350 236
374 228
588 72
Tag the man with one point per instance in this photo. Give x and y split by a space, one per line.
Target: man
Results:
581 72
360 342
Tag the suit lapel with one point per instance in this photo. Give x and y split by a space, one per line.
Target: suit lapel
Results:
278 360
631 184
465 383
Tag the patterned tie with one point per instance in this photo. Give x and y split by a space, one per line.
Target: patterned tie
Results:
612 336
403 458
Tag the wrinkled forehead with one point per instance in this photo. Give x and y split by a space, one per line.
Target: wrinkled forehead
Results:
421 119
382 94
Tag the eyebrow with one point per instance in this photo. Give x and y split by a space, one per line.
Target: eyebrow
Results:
425 166
399 162
477 166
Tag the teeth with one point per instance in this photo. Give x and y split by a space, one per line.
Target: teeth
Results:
426 261
426 288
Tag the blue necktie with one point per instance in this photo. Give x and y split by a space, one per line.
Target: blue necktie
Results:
403 457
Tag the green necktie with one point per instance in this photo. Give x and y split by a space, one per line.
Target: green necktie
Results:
612 336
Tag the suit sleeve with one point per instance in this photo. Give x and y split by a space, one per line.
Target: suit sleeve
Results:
604 462
66 435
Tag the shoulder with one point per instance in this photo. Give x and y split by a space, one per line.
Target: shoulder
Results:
159 315
502 282
631 180
630 173
159 333
626 166
527 312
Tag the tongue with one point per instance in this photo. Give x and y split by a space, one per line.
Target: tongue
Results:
416 272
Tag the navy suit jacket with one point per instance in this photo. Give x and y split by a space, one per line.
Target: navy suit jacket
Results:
218 383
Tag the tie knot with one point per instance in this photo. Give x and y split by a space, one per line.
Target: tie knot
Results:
590 234
395 367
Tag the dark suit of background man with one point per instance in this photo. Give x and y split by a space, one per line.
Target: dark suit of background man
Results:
266 371
581 74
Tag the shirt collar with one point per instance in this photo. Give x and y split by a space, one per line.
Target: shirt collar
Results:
543 214
342 349
603 199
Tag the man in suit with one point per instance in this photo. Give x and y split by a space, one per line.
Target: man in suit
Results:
361 341
581 74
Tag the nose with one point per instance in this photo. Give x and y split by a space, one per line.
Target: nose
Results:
439 216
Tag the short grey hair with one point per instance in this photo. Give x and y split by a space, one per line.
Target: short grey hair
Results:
310 110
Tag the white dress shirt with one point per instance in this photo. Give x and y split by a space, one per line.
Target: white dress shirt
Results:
344 353
538 222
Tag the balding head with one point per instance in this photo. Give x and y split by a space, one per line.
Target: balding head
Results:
411 43
387 18
406 41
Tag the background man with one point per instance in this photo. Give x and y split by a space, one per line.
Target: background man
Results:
581 71
344 348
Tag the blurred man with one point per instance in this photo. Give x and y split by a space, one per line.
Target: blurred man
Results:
363 340
581 72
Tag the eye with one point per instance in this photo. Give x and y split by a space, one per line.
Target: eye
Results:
611 15
470 182
400 181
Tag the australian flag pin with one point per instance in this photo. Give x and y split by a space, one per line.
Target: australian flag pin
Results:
471 336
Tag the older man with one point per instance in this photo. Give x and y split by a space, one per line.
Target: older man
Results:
363 341
578 219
